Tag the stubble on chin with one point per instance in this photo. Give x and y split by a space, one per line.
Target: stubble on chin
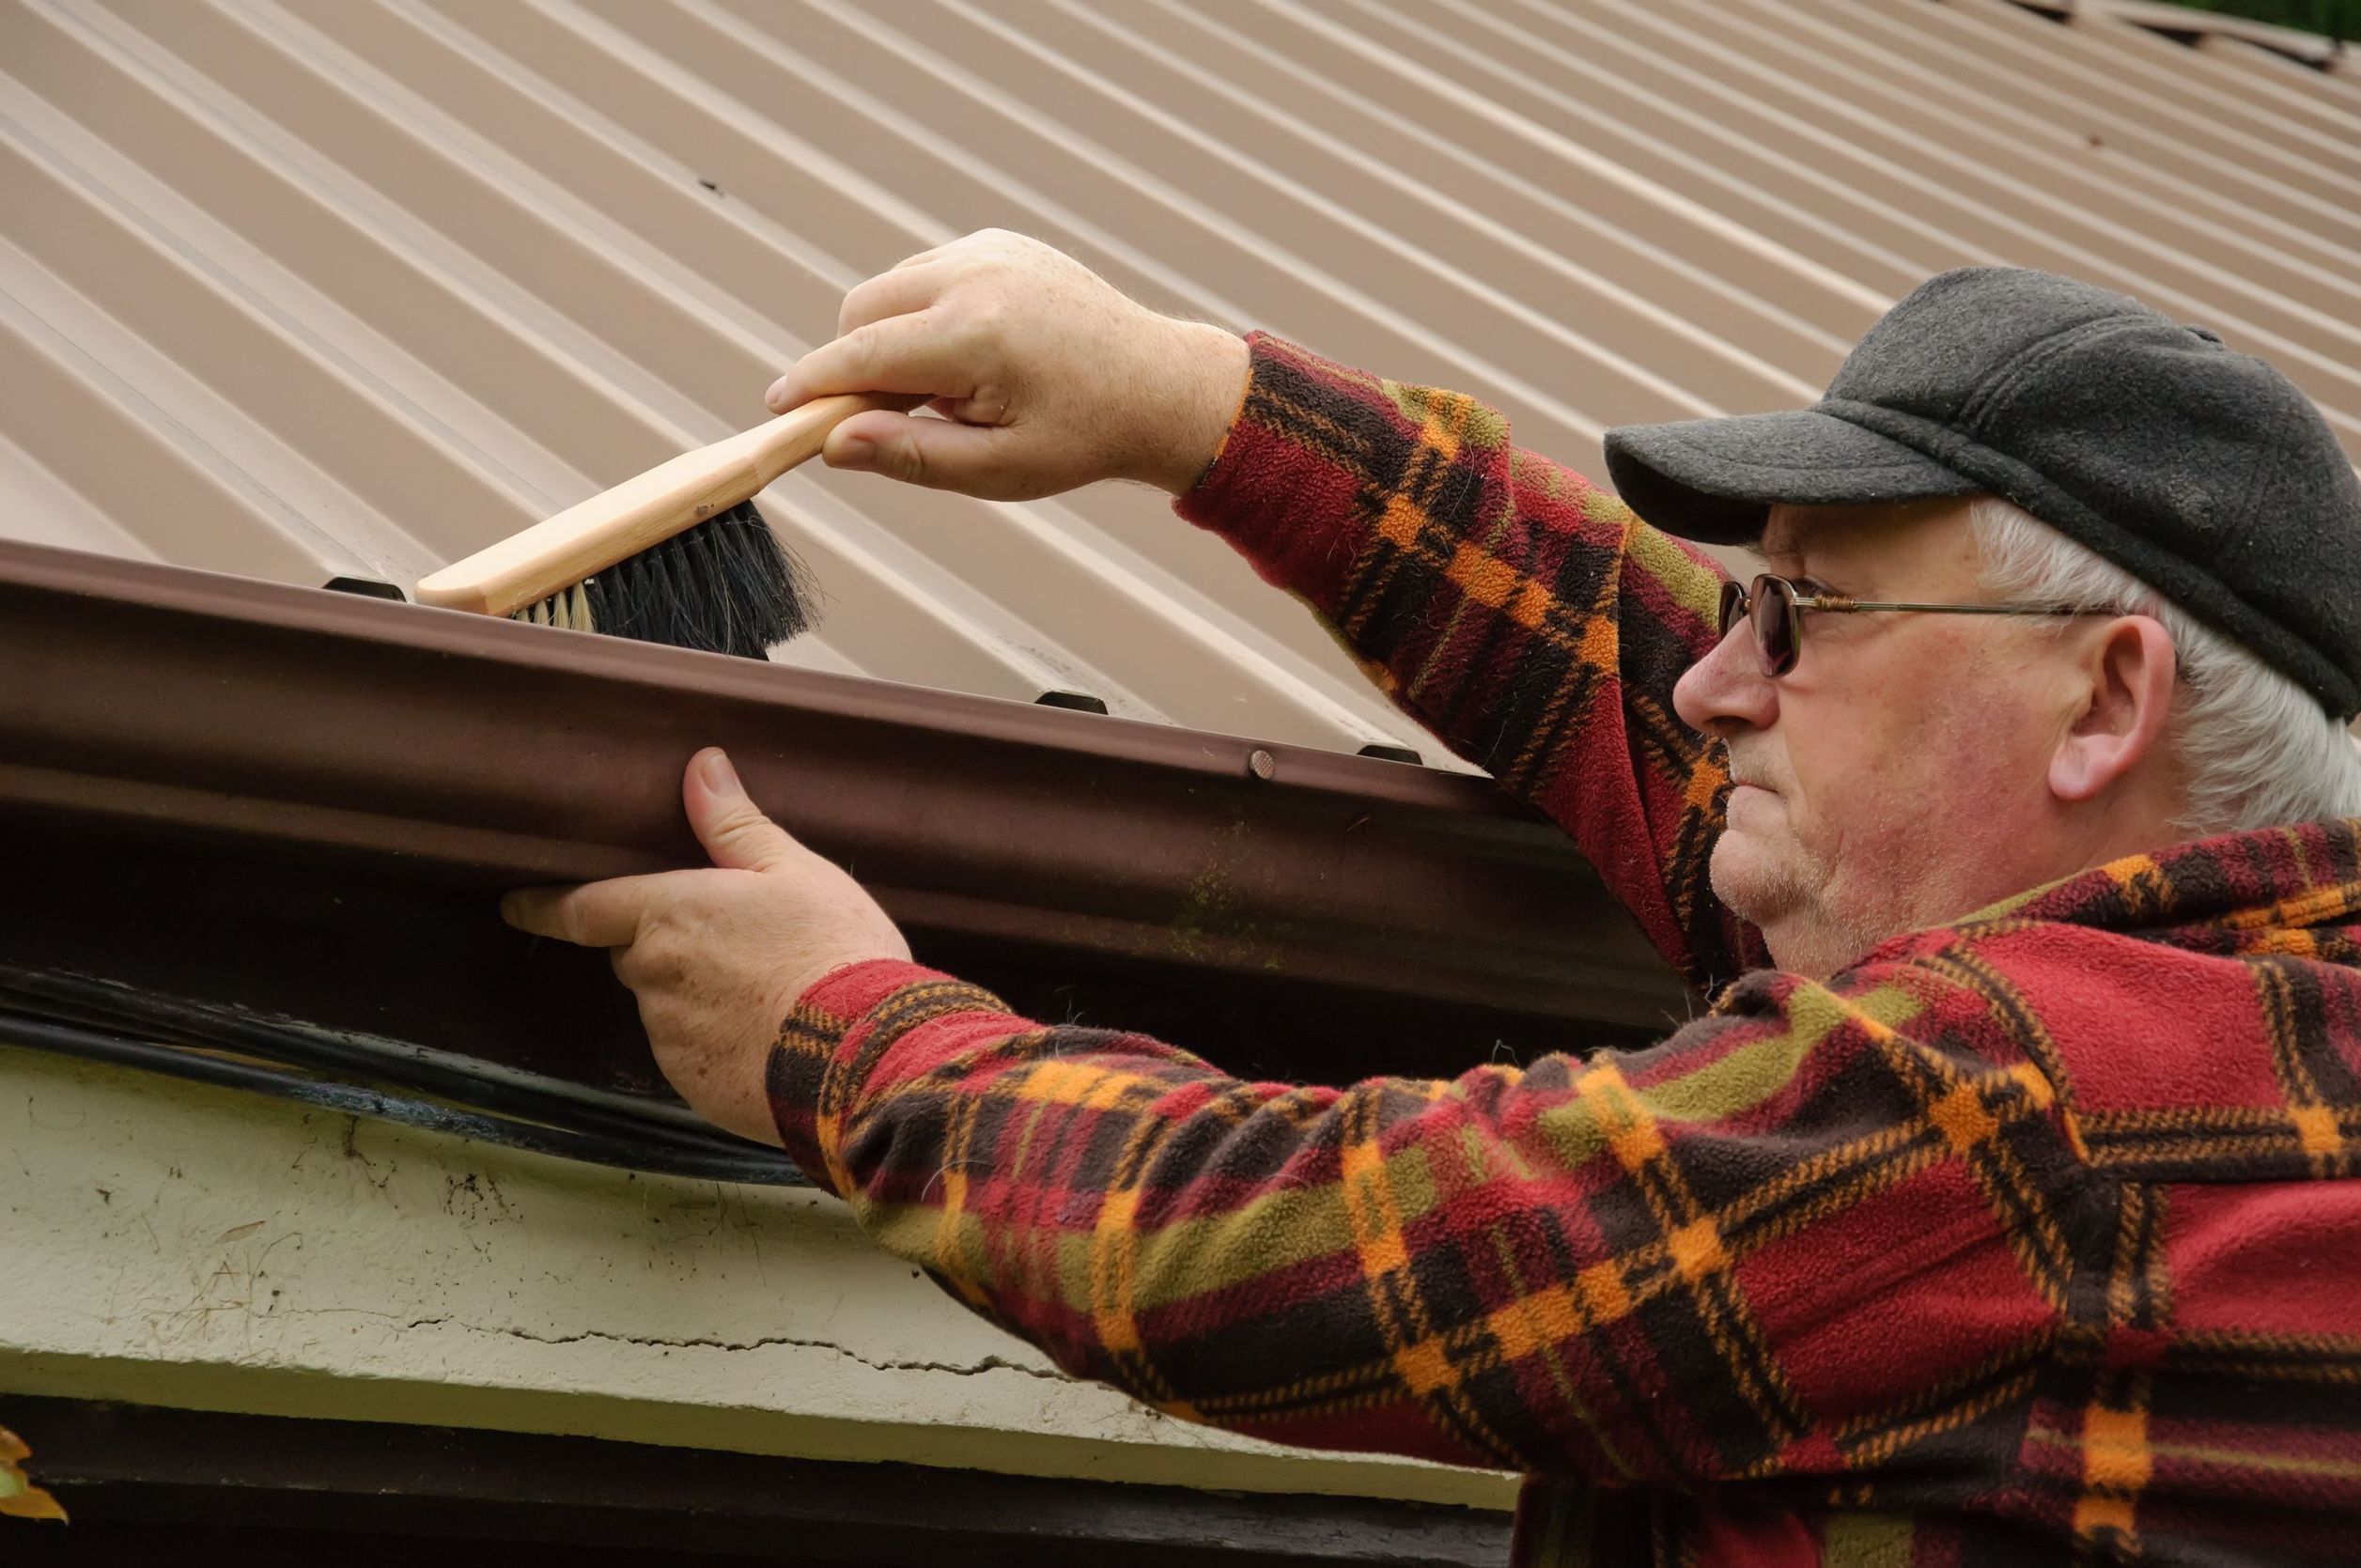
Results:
1783 893
1763 883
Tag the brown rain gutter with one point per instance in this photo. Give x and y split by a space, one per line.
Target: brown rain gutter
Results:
443 748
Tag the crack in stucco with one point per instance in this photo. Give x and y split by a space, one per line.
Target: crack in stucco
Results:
990 1363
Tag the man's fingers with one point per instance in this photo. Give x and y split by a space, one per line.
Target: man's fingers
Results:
595 914
731 827
913 353
910 287
920 258
940 454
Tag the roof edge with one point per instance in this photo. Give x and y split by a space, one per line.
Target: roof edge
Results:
2317 50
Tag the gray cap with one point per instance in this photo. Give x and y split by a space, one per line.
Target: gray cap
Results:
2203 473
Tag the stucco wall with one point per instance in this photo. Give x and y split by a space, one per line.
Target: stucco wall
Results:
172 1244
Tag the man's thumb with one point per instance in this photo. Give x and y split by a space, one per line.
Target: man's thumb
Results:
731 827
940 454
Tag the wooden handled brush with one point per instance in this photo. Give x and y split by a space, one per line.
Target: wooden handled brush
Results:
678 554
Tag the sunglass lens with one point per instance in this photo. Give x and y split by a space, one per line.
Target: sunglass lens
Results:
1775 624
1733 604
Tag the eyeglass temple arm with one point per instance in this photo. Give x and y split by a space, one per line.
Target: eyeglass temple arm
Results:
1842 606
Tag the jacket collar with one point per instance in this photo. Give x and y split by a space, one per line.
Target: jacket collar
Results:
2211 893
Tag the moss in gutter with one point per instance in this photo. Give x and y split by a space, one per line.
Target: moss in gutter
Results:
1213 915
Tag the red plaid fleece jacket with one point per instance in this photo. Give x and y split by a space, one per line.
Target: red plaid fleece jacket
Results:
2030 1238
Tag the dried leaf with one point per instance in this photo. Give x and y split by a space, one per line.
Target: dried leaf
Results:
19 1497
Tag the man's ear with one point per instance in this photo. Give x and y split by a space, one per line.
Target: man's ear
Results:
2129 672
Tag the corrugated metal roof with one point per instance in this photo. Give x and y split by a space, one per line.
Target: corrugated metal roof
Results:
298 289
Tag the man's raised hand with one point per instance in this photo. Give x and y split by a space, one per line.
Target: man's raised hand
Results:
1047 375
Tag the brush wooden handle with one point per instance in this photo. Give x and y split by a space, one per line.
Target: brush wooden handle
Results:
640 513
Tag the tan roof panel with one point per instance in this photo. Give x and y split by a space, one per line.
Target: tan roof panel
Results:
300 288
2322 95
2070 124
2140 79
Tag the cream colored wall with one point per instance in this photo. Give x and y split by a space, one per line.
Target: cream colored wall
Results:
175 1244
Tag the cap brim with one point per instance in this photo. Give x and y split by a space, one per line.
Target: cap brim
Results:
1715 480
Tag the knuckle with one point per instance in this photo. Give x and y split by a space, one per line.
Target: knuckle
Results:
863 352
862 304
989 404
651 965
570 918
907 458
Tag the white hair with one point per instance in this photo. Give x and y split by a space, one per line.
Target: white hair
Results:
2258 750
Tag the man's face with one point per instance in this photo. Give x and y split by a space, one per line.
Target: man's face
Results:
1895 777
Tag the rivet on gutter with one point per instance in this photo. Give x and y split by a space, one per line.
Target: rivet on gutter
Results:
1261 763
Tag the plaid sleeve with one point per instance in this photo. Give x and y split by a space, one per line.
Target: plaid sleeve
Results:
1507 603
1789 1244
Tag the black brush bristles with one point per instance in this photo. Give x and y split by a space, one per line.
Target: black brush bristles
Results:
725 585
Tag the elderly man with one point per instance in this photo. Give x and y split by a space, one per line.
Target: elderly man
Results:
1997 1211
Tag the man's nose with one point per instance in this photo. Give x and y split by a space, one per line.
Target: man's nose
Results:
1727 687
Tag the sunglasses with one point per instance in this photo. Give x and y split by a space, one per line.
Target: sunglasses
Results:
1776 606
